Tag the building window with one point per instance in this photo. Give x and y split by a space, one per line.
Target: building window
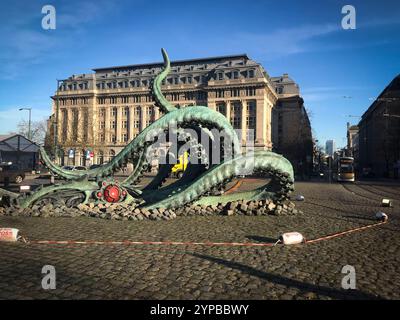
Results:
114 112
113 124
126 111
100 157
235 75
236 117
125 124
221 108
125 137
137 112
251 73
102 125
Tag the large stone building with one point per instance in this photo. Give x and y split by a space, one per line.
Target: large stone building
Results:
291 128
104 110
352 141
379 134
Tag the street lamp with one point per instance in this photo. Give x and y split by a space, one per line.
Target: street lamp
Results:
29 123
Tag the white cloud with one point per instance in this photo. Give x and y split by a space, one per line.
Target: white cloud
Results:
24 45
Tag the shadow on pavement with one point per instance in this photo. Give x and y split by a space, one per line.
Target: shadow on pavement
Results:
262 239
280 280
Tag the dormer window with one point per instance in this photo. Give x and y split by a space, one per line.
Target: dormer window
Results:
235 75
251 73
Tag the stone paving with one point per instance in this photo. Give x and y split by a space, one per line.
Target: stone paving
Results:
311 271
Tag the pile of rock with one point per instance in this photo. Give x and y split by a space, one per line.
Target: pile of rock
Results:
124 212
249 208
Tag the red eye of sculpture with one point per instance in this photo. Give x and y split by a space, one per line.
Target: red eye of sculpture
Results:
112 193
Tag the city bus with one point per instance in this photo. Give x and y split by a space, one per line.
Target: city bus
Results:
345 169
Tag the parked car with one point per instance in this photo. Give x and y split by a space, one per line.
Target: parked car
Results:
11 172
94 166
74 168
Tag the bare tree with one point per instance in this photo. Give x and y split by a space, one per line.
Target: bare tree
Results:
38 130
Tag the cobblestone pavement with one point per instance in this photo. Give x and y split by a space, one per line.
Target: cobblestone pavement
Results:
310 271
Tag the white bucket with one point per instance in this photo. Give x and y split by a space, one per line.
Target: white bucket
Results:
381 216
300 197
8 234
291 238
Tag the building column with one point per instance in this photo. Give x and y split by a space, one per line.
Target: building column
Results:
107 125
118 123
143 117
60 126
156 113
93 122
228 110
80 124
131 122
244 123
212 105
268 132
261 123
69 124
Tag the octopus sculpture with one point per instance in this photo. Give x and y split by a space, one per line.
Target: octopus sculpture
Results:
201 181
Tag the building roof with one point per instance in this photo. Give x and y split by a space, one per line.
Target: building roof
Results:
6 136
17 142
174 63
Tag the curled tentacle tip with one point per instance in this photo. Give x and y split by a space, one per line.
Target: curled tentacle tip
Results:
165 55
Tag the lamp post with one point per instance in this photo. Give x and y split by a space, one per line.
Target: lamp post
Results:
29 123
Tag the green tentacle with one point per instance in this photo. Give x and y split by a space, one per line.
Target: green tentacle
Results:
161 102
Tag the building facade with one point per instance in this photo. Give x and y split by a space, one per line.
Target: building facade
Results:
352 140
379 134
291 127
102 111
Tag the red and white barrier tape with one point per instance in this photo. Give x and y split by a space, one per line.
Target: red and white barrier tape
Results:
182 243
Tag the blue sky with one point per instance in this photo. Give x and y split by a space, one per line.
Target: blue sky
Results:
302 38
